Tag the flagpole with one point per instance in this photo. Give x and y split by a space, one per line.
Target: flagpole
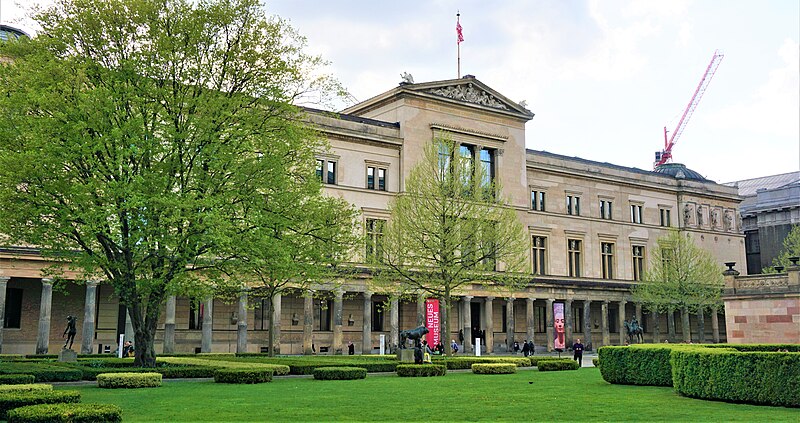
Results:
458 43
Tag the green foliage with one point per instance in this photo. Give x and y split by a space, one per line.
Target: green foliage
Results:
41 371
242 376
596 362
278 369
10 357
758 347
12 400
494 368
66 413
555 365
167 371
791 248
306 365
752 377
26 387
421 370
13 379
466 362
340 373
535 360
129 380
636 365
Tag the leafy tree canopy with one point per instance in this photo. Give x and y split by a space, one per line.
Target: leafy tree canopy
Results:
791 248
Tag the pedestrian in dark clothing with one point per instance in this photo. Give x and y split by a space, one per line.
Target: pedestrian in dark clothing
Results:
351 349
525 348
418 357
530 347
577 348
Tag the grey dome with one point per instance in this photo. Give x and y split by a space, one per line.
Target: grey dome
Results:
679 171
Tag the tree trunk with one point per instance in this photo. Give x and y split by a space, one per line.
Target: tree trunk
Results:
271 327
144 330
444 319
685 329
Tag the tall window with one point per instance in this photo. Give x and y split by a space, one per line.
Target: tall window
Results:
574 256
261 314
326 171
537 200
487 165
13 312
374 230
577 319
377 316
376 178
573 205
636 213
607 258
665 217
195 314
638 262
541 318
444 159
605 209
325 313
467 153
539 255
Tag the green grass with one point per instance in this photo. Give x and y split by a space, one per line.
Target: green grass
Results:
579 395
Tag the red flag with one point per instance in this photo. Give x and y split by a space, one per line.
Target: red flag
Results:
459 35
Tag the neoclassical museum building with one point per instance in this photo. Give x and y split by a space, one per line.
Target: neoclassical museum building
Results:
591 227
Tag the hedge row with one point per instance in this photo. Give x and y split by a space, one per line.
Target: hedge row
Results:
421 370
494 368
595 362
242 375
460 363
757 347
16 379
638 365
12 400
42 372
55 356
25 388
751 377
129 380
535 360
66 413
553 365
340 373
167 372
277 369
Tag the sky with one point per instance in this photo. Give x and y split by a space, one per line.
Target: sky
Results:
603 77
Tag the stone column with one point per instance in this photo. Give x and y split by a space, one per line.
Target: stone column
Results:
366 328
394 325
656 328
671 325
169 326
549 324
337 321
43 336
621 322
701 327
510 323
466 304
241 324
568 323
529 320
604 323
685 328
489 320
638 313
275 318
129 332
3 285
208 325
89 307
308 322
715 325
587 323
421 309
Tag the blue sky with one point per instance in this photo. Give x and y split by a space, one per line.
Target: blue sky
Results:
603 77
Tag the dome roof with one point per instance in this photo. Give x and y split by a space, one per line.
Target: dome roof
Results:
679 171
10 33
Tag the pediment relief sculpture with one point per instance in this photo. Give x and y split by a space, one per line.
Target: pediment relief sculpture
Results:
468 93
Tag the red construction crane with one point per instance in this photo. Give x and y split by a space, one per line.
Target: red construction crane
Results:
665 155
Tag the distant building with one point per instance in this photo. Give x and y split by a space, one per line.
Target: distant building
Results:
770 208
9 33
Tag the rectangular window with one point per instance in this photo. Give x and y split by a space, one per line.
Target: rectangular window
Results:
540 314
636 213
577 320
467 153
195 314
665 217
370 177
537 200
377 316
320 169
605 209
573 205
326 171
376 178
374 231
381 179
503 327
487 166
574 257
13 311
325 313
607 258
539 255
638 262
261 314
444 159
332 173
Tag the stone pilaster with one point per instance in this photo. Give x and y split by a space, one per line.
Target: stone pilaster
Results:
308 322
337 321
130 335
671 325
489 320
421 309
587 323
3 285
169 326
549 324
510 323
685 328
529 320
366 328
43 335
715 325
638 313
89 307
208 325
466 304
241 324
621 322
275 318
568 323
394 325
701 326
604 323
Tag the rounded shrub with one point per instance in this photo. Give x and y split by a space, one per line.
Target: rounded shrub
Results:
554 365
494 368
340 373
646 364
129 380
12 400
538 359
42 372
421 370
28 387
66 413
18 379
242 375
596 362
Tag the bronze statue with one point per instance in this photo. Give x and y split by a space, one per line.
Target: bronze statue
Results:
414 334
70 331
634 329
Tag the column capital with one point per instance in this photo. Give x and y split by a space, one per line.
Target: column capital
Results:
92 282
368 294
308 293
605 302
467 298
623 301
530 299
338 293
47 281
510 299
5 279
489 298
568 301
551 300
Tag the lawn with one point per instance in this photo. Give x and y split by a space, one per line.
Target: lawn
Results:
580 395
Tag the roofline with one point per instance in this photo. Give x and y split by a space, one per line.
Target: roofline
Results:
352 118
604 164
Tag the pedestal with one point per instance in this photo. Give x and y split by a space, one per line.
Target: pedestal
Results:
68 356
405 355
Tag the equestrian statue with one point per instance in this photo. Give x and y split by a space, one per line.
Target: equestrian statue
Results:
634 330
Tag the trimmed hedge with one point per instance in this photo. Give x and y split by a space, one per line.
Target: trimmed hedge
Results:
553 365
277 369
494 368
340 373
42 372
535 360
421 370
638 365
25 388
10 357
596 362
12 400
769 378
461 363
129 380
169 371
757 347
16 379
242 375
66 413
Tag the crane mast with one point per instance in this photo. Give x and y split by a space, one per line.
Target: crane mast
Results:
665 155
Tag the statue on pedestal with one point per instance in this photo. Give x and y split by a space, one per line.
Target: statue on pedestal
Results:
70 331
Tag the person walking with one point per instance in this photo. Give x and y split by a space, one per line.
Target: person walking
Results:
577 348
351 349
525 348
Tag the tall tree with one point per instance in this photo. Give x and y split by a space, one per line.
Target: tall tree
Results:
791 248
680 276
140 138
451 228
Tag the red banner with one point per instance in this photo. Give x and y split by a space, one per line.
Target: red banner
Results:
558 314
432 321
